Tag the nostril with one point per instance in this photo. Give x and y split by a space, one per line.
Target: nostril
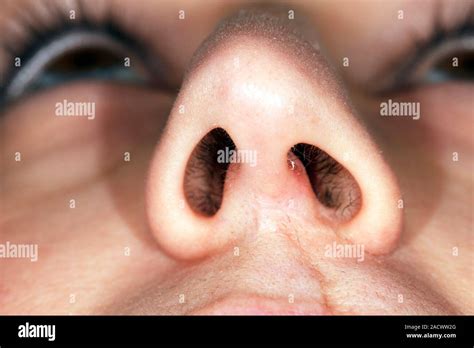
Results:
332 184
205 175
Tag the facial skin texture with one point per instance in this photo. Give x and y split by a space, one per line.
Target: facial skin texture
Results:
133 245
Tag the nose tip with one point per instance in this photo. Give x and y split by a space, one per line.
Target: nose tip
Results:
255 122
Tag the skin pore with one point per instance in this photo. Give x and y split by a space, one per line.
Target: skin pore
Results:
133 245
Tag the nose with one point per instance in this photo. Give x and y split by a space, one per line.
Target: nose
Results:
261 131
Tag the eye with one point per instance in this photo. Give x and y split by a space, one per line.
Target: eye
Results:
74 55
446 56
452 60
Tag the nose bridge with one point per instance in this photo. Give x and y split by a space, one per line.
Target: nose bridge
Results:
262 96
254 96
268 98
265 102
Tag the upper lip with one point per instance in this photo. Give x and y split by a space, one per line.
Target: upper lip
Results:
258 305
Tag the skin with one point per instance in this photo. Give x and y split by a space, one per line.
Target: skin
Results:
133 245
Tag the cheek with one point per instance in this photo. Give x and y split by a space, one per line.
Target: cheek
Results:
80 272
57 152
77 196
447 111
444 122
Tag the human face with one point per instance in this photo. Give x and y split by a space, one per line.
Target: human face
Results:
211 157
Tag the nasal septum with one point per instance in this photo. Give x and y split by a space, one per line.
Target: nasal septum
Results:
264 119
215 160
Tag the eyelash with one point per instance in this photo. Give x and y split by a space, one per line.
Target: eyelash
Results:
39 33
36 33
425 48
